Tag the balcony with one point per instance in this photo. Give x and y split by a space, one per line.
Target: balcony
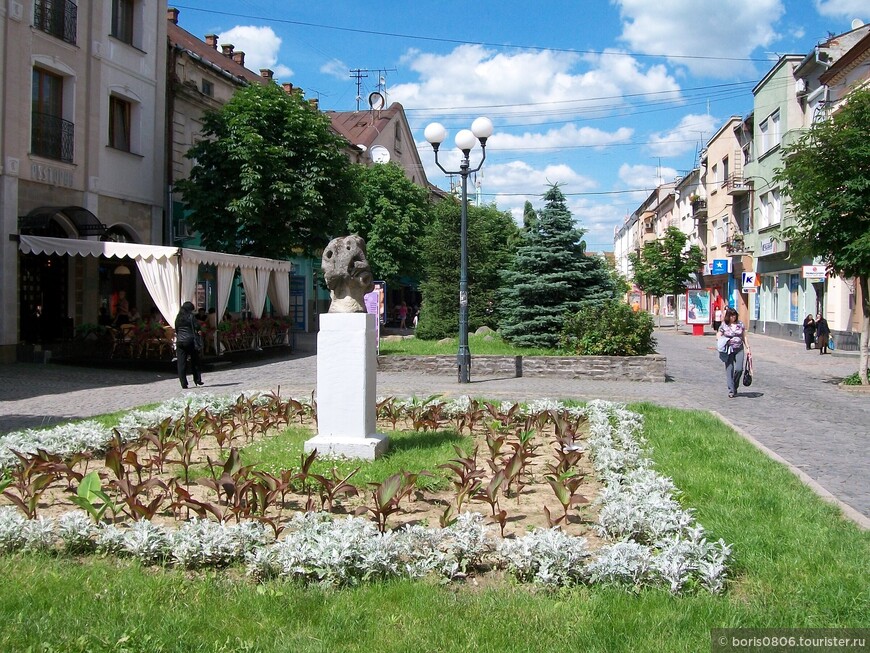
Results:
735 246
56 17
736 185
52 137
699 209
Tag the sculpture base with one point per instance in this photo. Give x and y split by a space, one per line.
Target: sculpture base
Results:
346 388
337 446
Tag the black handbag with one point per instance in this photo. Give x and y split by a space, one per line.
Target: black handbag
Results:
747 370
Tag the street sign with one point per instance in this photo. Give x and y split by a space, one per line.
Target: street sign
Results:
749 281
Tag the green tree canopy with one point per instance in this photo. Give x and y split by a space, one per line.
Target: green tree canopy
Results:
490 236
391 213
270 177
826 179
549 277
665 266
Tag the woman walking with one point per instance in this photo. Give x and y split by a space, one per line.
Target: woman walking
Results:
809 331
823 334
734 333
187 343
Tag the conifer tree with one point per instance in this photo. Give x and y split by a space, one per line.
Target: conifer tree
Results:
550 277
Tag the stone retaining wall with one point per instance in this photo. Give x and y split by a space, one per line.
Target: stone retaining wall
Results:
604 368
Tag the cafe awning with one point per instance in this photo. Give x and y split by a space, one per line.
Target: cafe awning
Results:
170 273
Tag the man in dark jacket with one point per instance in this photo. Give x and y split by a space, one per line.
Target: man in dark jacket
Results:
186 340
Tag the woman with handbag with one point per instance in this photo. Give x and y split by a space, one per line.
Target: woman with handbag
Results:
731 344
188 342
823 334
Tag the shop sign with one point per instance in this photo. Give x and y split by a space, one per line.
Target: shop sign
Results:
749 280
770 246
720 266
814 272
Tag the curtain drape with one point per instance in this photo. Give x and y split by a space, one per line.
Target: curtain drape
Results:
279 292
161 279
256 282
189 274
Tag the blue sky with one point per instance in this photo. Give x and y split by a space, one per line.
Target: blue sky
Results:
607 98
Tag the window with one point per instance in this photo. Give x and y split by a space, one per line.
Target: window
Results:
119 123
51 136
715 173
122 20
56 17
769 130
724 179
207 88
771 209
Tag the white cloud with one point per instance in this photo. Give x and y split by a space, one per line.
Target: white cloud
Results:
645 176
843 8
335 68
725 28
260 45
566 136
524 87
691 130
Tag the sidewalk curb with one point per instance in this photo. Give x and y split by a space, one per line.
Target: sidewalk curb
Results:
848 511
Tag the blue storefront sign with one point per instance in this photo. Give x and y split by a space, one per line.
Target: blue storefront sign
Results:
719 266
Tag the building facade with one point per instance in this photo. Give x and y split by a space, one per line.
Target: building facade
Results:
82 99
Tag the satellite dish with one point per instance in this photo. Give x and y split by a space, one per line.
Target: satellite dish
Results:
376 101
856 23
380 154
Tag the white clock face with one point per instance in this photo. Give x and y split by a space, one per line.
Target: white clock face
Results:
380 154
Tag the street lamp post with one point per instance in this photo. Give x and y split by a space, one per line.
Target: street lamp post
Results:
481 129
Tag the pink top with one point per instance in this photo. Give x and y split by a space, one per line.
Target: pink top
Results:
735 333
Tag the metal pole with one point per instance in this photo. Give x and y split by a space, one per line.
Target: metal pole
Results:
464 356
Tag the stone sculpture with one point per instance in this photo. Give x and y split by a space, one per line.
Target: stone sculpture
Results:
347 274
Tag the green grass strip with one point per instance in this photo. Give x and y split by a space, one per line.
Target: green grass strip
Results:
797 564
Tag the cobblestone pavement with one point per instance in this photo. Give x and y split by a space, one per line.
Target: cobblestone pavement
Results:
794 407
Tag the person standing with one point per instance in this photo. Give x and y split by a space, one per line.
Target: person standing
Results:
734 332
823 334
403 315
187 341
809 331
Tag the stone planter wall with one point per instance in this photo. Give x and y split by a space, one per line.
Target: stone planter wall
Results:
603 368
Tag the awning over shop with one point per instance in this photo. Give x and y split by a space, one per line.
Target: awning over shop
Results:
170 273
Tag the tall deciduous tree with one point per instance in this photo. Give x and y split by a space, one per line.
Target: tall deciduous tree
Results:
491 234
391 213
549 277
270 177
665 266
826 178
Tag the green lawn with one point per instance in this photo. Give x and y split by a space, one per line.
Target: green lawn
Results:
797 564
479 346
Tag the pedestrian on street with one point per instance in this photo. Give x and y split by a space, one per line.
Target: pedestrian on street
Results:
823 334
188 343
809 331
733 330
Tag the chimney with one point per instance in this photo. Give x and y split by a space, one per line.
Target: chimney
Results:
227 49
211 40
266 74
239 57
288 87
172 15
315 103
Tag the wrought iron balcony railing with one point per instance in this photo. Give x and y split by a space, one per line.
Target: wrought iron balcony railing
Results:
56 17
52 137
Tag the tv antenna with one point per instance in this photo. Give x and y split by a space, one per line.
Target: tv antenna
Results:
360 74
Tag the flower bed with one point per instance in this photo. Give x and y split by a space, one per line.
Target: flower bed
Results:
649 538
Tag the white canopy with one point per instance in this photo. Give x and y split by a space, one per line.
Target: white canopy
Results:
170 273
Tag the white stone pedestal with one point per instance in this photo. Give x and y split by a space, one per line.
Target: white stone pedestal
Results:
347 387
